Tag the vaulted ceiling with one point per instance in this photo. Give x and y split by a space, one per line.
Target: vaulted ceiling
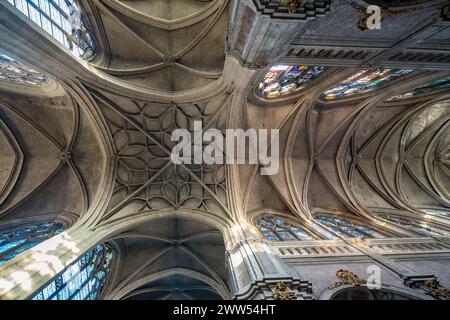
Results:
170 258
163 45
362 155
359 156
100 150
47 147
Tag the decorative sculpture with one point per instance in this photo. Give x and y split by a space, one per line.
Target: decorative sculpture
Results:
293 5
346 278
282 292
435 290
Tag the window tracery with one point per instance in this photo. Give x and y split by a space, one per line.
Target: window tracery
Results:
285 79
417 226
347 228
14 241
83 280
443 83
62 19
275 228
15 72
363 81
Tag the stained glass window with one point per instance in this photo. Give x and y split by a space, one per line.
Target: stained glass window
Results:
348 229
419 226
14 241
15 72
82 280
61 19
364 81
285 79
443 83
277 229
439 213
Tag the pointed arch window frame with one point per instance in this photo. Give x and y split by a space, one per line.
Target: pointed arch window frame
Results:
416 225
289 226
341 222
16 239
11 70
258 90
379 81
84 279
54 16
437 86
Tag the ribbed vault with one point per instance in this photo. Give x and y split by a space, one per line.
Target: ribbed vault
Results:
174 48
356 156
99 151
46 145
171 258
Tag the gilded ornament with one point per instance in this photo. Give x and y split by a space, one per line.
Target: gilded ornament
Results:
347 278
435 290
282 292
293 5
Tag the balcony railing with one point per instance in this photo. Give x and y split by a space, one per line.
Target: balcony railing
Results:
329 248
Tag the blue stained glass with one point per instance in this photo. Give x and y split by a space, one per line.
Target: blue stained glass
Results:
12 244
270 236
348 229
277 229
47 292
16 240
83 280
362 82
100 275
286 235
41 296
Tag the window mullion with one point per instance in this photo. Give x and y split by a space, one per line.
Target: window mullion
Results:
274 231
59 8
65 283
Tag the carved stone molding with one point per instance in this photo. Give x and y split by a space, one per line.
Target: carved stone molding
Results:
11 161
364 16
278 289
261 31
293 9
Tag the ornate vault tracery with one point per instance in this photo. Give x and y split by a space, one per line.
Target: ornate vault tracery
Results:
146 178
107 141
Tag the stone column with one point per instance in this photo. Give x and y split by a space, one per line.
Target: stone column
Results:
257 273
